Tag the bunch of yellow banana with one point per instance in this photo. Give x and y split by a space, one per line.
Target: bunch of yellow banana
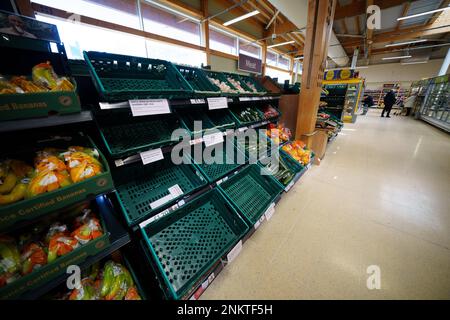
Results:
116 281
13 181
9 260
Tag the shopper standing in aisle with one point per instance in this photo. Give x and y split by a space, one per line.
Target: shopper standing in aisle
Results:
389 100
367 102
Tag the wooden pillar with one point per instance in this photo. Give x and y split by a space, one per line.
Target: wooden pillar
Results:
264 58
318 30
205 26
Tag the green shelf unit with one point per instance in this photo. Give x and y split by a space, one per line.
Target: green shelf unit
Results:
241 114
186 243
143 191
251 192
35 207
250 81
199 82
241 82
229 161
255 150
125 135
214 119
221 77
47 273
286 164
121 78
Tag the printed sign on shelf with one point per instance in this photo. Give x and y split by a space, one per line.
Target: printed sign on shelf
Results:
234 252
151 156
212 139
148 107
217 103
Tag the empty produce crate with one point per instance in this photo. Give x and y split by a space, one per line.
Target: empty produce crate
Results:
120 78
144 190
198 80
251 192
124 135
189 241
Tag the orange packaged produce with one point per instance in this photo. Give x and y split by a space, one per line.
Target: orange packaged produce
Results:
296 150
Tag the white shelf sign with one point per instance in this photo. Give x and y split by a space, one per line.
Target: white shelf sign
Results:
149 107
151 156
217 103
289 186
197 101
212 139
269 212
234 252
174 192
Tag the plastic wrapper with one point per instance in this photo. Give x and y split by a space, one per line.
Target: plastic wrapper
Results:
33 257
13 181
86 291
82 166
9 260
6 87
59 245
26 85
89 229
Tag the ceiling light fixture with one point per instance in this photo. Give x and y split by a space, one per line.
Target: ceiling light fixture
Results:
361 67
245 16
422 14
400 57
408 42
280 44
416 62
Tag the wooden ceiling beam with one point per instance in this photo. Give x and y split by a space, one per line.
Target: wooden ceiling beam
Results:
444 4
404 11
344 26
359 7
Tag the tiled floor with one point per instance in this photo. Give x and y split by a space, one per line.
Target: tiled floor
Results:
380 197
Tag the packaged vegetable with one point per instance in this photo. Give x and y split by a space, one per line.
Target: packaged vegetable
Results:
33 256
89 230
44 75
87 291
10 263
132 294
59 245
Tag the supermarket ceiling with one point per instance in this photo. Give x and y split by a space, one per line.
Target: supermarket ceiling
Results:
422 37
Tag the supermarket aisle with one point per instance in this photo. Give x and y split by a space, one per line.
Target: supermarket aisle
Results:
380 197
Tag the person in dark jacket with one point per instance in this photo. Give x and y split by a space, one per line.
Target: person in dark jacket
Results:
389 100
367 102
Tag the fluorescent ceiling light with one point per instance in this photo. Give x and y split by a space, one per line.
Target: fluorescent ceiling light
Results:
408 42
416 62
362 67
298 58
280 44
422 14
400 57
245 16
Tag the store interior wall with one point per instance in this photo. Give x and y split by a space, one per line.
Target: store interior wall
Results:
376 75
225 64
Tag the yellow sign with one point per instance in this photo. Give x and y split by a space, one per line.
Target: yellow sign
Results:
329 75
345 74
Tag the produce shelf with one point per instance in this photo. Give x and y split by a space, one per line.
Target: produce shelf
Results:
251 193
247 115
188 242
143 190
217 119
118 237
50 121
39 205
287 169
125 135
198 80
219 76
121 78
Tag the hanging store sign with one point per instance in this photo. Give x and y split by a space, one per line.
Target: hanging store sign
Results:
341 74
249 64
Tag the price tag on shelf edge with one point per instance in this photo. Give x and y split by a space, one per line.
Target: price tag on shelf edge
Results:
269 212
174 192
212 139
148 107
289 186
258 223
244 99
234 252
217 103
151 156
198 101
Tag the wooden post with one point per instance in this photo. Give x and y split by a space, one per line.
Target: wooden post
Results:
205 26
318 29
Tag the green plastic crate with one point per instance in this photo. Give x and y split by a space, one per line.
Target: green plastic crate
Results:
198 80
261 109
52 270
260 90
214 119
241 82
251 192
216 171
242 122
255 150
42 204
125 135
144 190
221 77
120 77
189 241
291 165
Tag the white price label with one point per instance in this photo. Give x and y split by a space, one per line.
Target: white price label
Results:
151 156
118 163
234 252
149 107
244 99
197 101
217 103
269 212
289 186
118 105
196 141
242 129
212 139
174 192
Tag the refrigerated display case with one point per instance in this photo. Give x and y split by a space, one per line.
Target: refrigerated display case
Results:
435 109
